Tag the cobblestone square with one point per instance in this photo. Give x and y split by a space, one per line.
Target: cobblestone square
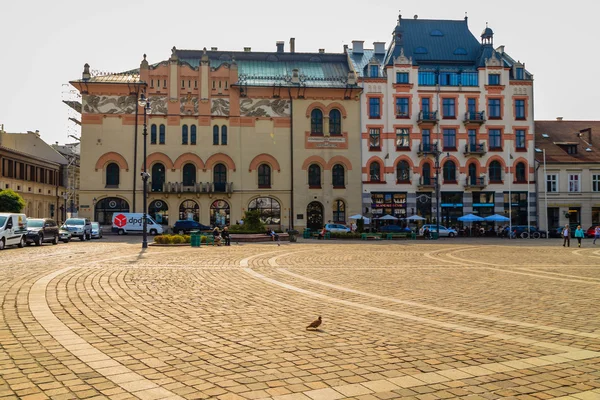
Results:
417 320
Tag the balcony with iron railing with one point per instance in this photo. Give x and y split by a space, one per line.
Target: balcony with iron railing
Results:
475 182
426 182
427 149
427 117
475 149
190 187
474 117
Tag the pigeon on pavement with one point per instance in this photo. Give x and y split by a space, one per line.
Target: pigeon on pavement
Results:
315 324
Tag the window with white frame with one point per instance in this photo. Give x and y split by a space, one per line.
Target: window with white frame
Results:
574 183
595 182
552 183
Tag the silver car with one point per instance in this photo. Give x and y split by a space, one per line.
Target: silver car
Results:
96 230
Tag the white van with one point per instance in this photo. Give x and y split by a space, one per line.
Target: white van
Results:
124 223
13 229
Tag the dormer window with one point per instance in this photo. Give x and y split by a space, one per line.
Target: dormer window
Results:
373 71
493 79
519 74
571 149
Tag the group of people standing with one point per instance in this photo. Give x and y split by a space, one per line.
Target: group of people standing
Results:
579 234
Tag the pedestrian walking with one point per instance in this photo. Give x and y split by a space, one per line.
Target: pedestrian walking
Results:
225 235
566 233
579 235
596 233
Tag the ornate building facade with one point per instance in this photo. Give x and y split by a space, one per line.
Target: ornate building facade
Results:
228 131
439 91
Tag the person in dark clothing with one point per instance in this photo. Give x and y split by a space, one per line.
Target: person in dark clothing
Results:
225 235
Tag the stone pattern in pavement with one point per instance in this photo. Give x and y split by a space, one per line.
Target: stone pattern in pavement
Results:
401 320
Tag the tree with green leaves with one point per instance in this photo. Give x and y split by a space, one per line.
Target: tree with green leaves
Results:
11 201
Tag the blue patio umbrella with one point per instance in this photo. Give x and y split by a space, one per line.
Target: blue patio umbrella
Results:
470 218
497 218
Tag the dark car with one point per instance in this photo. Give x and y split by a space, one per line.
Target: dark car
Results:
393 229
186 226
40 230
522 231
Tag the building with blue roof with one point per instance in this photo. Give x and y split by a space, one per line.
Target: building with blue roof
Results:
445 109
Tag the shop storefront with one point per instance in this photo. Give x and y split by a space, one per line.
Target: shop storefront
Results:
388 203
517 208
483 204
423 200
452 208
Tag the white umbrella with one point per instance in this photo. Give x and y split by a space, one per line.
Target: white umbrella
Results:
388 217
415 218
356 216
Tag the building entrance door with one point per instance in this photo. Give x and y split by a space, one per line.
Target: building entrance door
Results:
314 212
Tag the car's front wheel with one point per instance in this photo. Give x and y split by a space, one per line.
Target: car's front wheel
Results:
2 242
82 237
39 240
153 231
55 241
21 242
451 234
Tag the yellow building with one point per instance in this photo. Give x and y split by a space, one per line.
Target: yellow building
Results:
32 168
227 132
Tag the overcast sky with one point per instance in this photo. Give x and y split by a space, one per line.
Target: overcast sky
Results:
44 44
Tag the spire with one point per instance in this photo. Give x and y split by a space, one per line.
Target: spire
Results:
144 63
86 72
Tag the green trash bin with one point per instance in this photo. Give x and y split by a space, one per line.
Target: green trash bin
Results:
435 235
195 238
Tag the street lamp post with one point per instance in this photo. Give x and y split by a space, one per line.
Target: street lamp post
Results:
437 154
145 104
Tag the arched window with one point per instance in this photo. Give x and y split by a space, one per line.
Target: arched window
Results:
159 211
184 134
158 177
189 174
161 135
215 134
495 172
450 171
220 177
112 175
264 176
269 208
193 134
189 210
375 172
335 122
520 172
224 134
339 211
316 122
153 134
338 176
314 176
426 176
403 172
219 213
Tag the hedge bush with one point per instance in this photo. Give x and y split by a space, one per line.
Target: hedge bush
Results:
172 239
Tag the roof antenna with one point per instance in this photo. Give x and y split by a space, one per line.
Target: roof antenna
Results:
466 17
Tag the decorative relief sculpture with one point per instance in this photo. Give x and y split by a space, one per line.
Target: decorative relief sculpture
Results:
158 105
188 103
219 107
264 108
94 104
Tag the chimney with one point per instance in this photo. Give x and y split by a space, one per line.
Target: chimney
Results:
345 49
321 51
247 49
279 44
559 118
357 46
500 49
292 45
86 72
214 48
379 47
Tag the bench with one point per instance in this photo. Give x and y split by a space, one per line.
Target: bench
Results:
315 235
390 236
372 235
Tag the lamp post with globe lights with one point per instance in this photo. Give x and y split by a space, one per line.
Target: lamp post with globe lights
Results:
145 104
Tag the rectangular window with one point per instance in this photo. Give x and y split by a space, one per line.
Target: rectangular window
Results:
595 182
152 83
494 109
449 139
165 83
402 138
373 71
519 109
519 74
374 139
472 105
493 79
495 141
374 107
401 77
425 105
552 183
449 79
427 79
182 83
520 139
574 186
448 108
402 107
469 79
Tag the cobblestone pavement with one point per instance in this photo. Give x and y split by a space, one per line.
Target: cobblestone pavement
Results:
415 320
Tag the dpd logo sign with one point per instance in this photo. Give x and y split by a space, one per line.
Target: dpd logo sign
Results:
120 220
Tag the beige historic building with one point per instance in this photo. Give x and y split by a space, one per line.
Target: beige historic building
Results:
568 171
32 168
227 132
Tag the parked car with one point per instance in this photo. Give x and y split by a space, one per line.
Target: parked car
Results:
96 230
394 229
124 223
521 231
64 235
449 232
13 229
79 227
337 228
40 230
185 226
591 232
